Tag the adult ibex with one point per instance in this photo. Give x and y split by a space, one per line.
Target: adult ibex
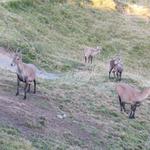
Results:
25 73
116 67
117 71
131 95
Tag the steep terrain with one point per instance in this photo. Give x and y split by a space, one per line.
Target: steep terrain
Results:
52 35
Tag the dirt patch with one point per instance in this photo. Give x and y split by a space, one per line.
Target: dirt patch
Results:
30 118
37 116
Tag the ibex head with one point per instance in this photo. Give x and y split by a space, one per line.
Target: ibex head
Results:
117 61
99 48
17 58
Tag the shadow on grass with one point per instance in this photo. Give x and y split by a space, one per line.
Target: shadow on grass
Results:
125 80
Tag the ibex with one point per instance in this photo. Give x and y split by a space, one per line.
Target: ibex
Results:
117 70
131 95
89 53
116 67
25 73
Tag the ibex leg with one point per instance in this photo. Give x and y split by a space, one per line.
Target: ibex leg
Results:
25 90
120 75
91 59
120 103
110 70
132 114
34 86
85 58
18 84
134 109
29 88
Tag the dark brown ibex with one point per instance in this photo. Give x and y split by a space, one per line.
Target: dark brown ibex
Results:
116 67
117 71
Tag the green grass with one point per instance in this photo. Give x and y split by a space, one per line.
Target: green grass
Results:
10 139
52 35
102 105
55 34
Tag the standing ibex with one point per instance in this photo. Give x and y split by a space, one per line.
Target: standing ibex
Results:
117 70
25 73
131 95
89 53
116 67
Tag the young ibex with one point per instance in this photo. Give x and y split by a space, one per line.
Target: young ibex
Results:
25 73
89 53
116 67
131 95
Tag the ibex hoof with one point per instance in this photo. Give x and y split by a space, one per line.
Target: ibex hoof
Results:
131 117
17 94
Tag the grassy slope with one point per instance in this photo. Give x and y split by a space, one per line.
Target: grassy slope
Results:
52 35
55 34
10 139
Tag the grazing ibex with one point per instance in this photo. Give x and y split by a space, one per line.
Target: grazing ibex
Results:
116 67
89 53
131 95
25 73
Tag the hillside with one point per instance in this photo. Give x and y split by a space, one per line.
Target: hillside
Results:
52 35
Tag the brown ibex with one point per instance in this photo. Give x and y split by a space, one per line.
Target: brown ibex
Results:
25 73
89 53
131 95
